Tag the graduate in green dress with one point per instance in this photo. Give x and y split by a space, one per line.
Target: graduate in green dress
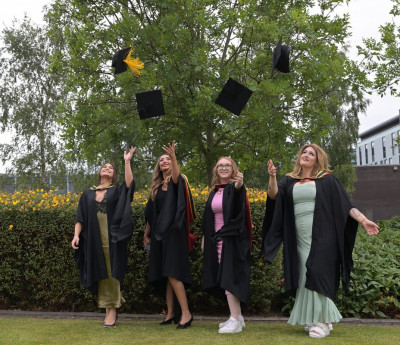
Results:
311 213
103 227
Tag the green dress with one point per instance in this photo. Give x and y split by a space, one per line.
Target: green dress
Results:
109 291
310 306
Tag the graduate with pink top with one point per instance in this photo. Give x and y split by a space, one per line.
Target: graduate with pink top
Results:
226 242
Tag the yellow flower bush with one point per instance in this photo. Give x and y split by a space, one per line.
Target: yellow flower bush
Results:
37 200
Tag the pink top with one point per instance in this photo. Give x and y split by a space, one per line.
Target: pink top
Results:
216 206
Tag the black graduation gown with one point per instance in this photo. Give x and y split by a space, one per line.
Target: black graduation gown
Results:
233 272
333 236
169 254
89 257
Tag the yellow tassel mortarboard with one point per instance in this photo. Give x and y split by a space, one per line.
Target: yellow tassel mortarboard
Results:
123 59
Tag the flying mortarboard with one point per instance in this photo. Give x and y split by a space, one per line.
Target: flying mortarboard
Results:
150 104
122 60
233 96
281 58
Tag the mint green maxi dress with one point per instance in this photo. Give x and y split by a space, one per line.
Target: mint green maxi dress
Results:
310 306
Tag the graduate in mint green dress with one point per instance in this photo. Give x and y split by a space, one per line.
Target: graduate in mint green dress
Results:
310 212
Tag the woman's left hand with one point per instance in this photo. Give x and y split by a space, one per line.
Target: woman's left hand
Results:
170 150
370 227
239 180
128 155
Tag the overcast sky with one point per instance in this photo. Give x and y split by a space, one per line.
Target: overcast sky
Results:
365 18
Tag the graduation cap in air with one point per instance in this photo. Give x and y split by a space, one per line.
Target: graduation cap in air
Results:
233 96
122 59
150 104
281 57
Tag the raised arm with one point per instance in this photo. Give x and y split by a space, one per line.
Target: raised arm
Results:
128 168
272 183
370 227
170 150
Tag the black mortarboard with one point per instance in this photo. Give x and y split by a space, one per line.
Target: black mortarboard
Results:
281 57
118 60
233 96
122 60
150 104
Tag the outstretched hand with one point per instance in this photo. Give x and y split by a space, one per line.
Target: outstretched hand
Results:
128 155
370 227
170 150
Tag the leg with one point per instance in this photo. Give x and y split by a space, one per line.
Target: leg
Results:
180 293
169 297
234 306
111 318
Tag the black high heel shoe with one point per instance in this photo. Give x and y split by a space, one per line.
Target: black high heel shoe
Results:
185 325
169 321
106 325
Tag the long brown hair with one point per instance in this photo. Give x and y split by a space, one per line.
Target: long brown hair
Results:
158 178
115 175
322 163
216 179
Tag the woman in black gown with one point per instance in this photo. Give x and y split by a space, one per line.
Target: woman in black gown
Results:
103 226
167 233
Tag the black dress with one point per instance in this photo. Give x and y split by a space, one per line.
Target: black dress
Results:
169 254
90 257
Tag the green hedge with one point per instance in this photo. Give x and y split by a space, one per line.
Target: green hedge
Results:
37 271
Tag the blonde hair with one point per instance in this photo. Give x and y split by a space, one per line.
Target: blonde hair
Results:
322 163
216 179
158 178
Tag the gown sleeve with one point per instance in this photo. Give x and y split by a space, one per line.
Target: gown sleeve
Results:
272 229
122 225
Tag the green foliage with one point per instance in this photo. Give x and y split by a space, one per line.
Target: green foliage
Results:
382 56
28 100
374 289
37 270
189 49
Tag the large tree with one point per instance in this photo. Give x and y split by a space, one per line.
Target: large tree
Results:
382 56
29 96
189 49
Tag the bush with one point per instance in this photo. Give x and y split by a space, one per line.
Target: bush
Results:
375 289
37 270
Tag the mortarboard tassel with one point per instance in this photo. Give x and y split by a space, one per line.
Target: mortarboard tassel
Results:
134 64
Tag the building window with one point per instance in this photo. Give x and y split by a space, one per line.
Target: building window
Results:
384 147
394 144
360 154
384 161
390 161
373 151
366 153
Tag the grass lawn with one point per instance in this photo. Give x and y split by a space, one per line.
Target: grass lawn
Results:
32 331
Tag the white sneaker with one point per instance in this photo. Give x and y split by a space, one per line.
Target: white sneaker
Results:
232 326
241 320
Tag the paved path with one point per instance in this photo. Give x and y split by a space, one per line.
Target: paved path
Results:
155 317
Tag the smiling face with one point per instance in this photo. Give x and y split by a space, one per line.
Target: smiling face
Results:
107 172
225 170
164 163
308 158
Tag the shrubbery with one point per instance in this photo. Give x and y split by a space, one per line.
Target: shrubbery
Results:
37 271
